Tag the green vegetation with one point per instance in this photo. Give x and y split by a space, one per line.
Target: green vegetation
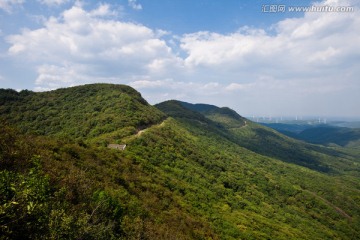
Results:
345 137
51 189
291 128
321 134
80 112
202 172
259 139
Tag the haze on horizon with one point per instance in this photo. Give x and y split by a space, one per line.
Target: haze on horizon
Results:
234 54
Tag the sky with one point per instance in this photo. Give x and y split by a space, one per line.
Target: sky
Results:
257 57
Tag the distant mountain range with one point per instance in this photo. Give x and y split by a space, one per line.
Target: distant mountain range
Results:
320 134
189 171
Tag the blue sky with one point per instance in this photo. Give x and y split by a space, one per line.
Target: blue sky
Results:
227 53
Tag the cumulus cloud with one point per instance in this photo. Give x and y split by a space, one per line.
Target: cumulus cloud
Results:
51 77
312 41
308 57
82 45
237 86
165 89
8 5
134 5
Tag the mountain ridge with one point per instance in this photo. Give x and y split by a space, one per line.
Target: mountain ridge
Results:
259 139
323 134
79 112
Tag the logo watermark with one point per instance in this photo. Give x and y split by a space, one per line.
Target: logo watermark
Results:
279 8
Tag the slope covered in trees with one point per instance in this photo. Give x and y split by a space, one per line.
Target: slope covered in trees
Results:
193 174
79 112
257 138
320 134
346 137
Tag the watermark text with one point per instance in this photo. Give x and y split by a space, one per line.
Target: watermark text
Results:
279 8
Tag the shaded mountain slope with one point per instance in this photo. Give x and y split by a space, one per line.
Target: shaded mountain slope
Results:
332 135
226 116
257 138
288 127
320 134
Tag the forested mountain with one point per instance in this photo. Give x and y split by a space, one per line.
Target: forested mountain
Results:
255 137
332 135
189 171
320 134
80 112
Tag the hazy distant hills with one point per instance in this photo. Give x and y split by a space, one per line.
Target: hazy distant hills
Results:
289 128
189 171
320 134
346 137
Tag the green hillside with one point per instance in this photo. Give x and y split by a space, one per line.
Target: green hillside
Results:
345 137
320 134
225 116
79 112
292 128
187 173
257 138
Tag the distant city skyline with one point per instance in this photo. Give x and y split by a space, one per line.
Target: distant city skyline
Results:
285 118
256 57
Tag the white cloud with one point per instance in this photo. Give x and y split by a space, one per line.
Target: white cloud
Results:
53 76
212 49
82 45
139 84
175 89
306 57
241 50
133 4
237 86
8 5
104 10
69 74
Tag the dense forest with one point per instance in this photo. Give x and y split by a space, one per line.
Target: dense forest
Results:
323 134
189 171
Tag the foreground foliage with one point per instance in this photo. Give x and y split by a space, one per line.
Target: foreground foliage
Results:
54 189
